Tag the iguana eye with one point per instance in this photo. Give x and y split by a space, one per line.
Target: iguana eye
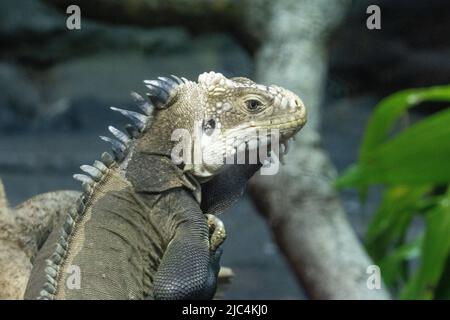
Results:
253 104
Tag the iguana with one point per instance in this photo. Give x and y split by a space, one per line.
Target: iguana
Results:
145 226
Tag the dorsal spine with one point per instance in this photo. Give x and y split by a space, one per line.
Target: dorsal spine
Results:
161 91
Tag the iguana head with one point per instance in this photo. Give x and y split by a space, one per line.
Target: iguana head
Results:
223 118
241 116
208 124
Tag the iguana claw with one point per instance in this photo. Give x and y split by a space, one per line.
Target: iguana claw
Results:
217 232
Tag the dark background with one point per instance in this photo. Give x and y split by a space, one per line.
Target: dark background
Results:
56 86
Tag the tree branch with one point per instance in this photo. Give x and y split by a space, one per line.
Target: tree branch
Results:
299 203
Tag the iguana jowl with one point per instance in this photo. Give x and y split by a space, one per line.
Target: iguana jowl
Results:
145 227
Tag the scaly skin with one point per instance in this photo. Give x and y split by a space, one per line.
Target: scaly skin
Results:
145 227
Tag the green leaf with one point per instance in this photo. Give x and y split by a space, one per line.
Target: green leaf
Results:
392 265
418 155
411 163
443 288
391 221
390 109
435 252
351 177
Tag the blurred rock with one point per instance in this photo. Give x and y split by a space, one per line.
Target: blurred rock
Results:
22 231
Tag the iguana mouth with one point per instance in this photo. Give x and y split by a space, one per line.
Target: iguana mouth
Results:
285 126
262 140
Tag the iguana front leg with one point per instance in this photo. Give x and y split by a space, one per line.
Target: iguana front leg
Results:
190 266
176 278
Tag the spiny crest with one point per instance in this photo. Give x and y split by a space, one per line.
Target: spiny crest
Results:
92 174
161 91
